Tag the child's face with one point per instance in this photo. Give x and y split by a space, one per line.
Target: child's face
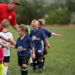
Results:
34 26
40 26
20 32
31 27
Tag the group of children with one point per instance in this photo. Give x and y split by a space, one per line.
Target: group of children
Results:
32 42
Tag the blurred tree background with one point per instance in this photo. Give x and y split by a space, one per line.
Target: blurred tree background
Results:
53 13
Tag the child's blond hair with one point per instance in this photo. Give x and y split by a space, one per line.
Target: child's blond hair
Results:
35 22
5 23
42 21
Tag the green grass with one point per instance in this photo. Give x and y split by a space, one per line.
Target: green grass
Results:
60 59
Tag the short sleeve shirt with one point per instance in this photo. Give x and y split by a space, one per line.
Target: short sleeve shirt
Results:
23 46
6 14
37 36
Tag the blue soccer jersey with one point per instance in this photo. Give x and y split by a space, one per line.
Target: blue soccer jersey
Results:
37 36
23 46
47 33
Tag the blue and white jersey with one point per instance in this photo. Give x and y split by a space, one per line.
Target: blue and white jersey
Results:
6 35
23 46
37 36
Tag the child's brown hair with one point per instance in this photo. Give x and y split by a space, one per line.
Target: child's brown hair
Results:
5 23
23 27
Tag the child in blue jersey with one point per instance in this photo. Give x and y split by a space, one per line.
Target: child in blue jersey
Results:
48 35
23 45
37 36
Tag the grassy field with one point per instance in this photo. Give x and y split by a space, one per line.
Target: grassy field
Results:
60 59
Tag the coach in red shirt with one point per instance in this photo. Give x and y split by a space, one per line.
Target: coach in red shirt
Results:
8 12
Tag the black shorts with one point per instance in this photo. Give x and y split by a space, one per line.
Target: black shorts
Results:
23 60
6 59
38 57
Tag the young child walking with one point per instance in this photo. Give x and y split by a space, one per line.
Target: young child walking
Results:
37 36
48 35
4 47
7 52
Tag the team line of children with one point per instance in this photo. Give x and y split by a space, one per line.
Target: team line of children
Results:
32 44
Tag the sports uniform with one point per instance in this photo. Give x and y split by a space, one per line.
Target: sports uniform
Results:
37 36
23 50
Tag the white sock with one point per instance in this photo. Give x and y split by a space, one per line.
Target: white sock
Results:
31 60
5 70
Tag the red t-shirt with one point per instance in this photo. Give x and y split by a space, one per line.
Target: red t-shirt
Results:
6 14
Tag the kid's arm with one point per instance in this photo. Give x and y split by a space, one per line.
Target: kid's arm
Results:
8 40
57 35
11 46
12 42
47 44
33 53
4 45
45 40
3 38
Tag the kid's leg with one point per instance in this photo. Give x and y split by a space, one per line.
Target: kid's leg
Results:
43 62
24 63
44 53
1 61
5 68
40 63
6 61
34 64
1 68
31 60
24 70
